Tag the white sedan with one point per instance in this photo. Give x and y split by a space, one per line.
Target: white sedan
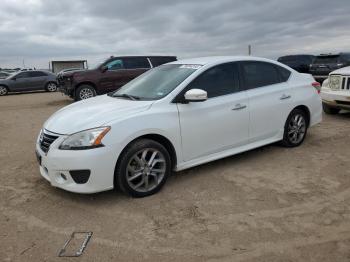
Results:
174 117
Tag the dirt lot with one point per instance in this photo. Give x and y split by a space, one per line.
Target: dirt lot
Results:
270 204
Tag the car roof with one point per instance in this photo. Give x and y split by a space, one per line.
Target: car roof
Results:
219 59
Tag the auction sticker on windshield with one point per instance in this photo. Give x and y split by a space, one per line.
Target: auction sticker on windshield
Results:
191 66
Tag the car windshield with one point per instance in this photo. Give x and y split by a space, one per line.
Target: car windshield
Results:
156 83
332 59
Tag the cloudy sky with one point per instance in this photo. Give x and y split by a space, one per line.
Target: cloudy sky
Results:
38 31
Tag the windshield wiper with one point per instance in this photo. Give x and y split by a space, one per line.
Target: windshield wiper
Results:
127 96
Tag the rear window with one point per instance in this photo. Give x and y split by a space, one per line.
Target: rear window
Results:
258 74
284 73
332 59
157 61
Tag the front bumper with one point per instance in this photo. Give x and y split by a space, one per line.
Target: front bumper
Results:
66 87
338 99
56 167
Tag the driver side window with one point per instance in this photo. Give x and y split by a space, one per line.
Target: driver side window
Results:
115 64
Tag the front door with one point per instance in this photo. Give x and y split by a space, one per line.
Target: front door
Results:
219 123
21 82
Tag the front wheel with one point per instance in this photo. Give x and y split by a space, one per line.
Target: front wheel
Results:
330 110
85 92
295 128
143 168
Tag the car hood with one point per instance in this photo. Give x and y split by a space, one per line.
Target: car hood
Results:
342 71
93 112
75 72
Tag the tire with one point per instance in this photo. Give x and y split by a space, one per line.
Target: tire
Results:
142 168
3 90
51 87
330 110
295 128
84 92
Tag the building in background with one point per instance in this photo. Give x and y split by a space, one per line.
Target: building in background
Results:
57 66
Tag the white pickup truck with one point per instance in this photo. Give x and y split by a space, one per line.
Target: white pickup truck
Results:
335 91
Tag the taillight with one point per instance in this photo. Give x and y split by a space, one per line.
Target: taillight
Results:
317 86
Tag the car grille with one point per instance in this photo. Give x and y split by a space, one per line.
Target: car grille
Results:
338 82
46 139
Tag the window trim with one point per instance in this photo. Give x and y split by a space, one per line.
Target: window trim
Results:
180 97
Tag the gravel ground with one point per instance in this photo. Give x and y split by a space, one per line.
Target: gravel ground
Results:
269 204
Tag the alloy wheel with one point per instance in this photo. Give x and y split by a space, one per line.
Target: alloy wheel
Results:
51 87
296 128
85 93
3 91
146 170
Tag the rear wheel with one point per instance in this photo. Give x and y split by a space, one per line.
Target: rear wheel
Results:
51 87
295 128
330 110
143 168
85 92
3 90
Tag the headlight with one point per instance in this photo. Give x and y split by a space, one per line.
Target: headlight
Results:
87 139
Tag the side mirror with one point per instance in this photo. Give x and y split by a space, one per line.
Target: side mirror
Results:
104 68
14 78
196 95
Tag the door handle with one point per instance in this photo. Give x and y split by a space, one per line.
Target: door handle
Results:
284 96
239 107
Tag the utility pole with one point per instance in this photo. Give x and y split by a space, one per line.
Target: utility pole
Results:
249 50
24 66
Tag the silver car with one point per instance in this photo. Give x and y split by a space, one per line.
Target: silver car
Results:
28 81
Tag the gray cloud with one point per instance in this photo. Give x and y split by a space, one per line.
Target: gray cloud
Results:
42 30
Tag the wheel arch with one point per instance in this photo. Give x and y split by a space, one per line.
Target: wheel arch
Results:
51 81
90 83
164 141
307 112
6 86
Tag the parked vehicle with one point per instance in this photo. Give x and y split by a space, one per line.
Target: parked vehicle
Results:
335 91
324 64
174 117
28 81
300 63
108 76
4 75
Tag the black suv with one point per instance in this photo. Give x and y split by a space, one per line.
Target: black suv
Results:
300 63
326 63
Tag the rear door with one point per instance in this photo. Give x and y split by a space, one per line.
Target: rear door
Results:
270 98
38 80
